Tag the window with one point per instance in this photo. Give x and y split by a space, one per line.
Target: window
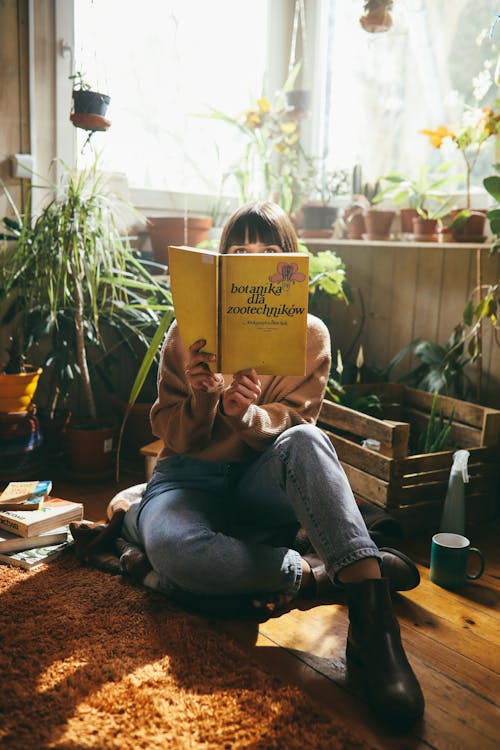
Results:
378 91
163 63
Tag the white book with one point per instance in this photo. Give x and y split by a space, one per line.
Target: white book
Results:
29 523
10 542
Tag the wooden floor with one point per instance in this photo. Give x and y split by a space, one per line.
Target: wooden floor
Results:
452 641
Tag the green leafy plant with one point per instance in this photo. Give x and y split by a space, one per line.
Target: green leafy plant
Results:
492 186
76 292
436 436
416 192
442 369
79 82
327 274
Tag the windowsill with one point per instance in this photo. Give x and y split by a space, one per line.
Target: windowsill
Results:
395 243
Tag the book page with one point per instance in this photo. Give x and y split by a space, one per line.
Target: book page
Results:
194 285
263 306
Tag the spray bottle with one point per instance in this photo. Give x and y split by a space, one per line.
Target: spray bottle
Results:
453 518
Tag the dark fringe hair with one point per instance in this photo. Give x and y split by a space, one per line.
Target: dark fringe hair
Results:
259 222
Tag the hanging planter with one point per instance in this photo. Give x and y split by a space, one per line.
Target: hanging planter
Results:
377 17
89 107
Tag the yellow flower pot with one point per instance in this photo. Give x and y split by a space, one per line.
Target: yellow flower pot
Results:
17 391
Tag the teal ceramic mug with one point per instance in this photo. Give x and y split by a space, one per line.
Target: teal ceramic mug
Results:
450 554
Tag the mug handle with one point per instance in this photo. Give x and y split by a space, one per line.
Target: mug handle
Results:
479 572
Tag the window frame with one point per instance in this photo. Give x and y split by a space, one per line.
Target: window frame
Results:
280 20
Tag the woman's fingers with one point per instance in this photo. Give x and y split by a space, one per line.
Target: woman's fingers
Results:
197 368
199 357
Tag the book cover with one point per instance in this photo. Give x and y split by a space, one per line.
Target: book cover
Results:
250 308
28 494
14 543
54 513
32 558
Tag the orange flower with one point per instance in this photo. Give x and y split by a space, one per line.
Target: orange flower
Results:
437 136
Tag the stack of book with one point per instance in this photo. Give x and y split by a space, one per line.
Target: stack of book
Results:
34 527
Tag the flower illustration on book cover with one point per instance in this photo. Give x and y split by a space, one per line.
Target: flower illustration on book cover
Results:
286 273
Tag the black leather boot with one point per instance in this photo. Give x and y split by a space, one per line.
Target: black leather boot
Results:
401 572
374 647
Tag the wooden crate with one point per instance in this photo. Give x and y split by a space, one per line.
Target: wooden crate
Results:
412 488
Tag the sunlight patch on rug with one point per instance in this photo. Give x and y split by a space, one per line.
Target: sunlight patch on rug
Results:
89 660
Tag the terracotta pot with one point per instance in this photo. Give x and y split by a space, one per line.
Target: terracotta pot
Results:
378 223
473 230
169 230
407 215
376 21
89 450
17 390
355 223
424 230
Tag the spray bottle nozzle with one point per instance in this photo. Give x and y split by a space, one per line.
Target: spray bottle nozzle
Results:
460 459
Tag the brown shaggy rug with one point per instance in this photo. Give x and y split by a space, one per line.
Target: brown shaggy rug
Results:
89 660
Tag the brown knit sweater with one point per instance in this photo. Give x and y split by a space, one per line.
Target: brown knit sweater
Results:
191 423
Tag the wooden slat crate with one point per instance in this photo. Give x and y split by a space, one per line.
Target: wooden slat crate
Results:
412 488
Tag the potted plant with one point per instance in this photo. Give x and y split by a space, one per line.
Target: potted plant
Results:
320 213
415 192
81 295
353 218
89 106
478 125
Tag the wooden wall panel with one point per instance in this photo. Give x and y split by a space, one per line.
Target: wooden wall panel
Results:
14 91
410 291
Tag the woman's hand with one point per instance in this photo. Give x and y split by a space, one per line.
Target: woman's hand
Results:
243 391
198 374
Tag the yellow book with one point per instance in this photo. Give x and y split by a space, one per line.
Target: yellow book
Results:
250 308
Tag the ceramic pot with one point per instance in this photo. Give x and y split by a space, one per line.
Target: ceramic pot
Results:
169 230
298 101
17 390
318 216
90 102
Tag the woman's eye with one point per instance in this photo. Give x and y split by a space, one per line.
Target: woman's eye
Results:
270 250
240 251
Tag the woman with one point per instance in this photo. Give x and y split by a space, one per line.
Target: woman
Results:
243 465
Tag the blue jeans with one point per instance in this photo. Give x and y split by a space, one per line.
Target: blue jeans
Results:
204 525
